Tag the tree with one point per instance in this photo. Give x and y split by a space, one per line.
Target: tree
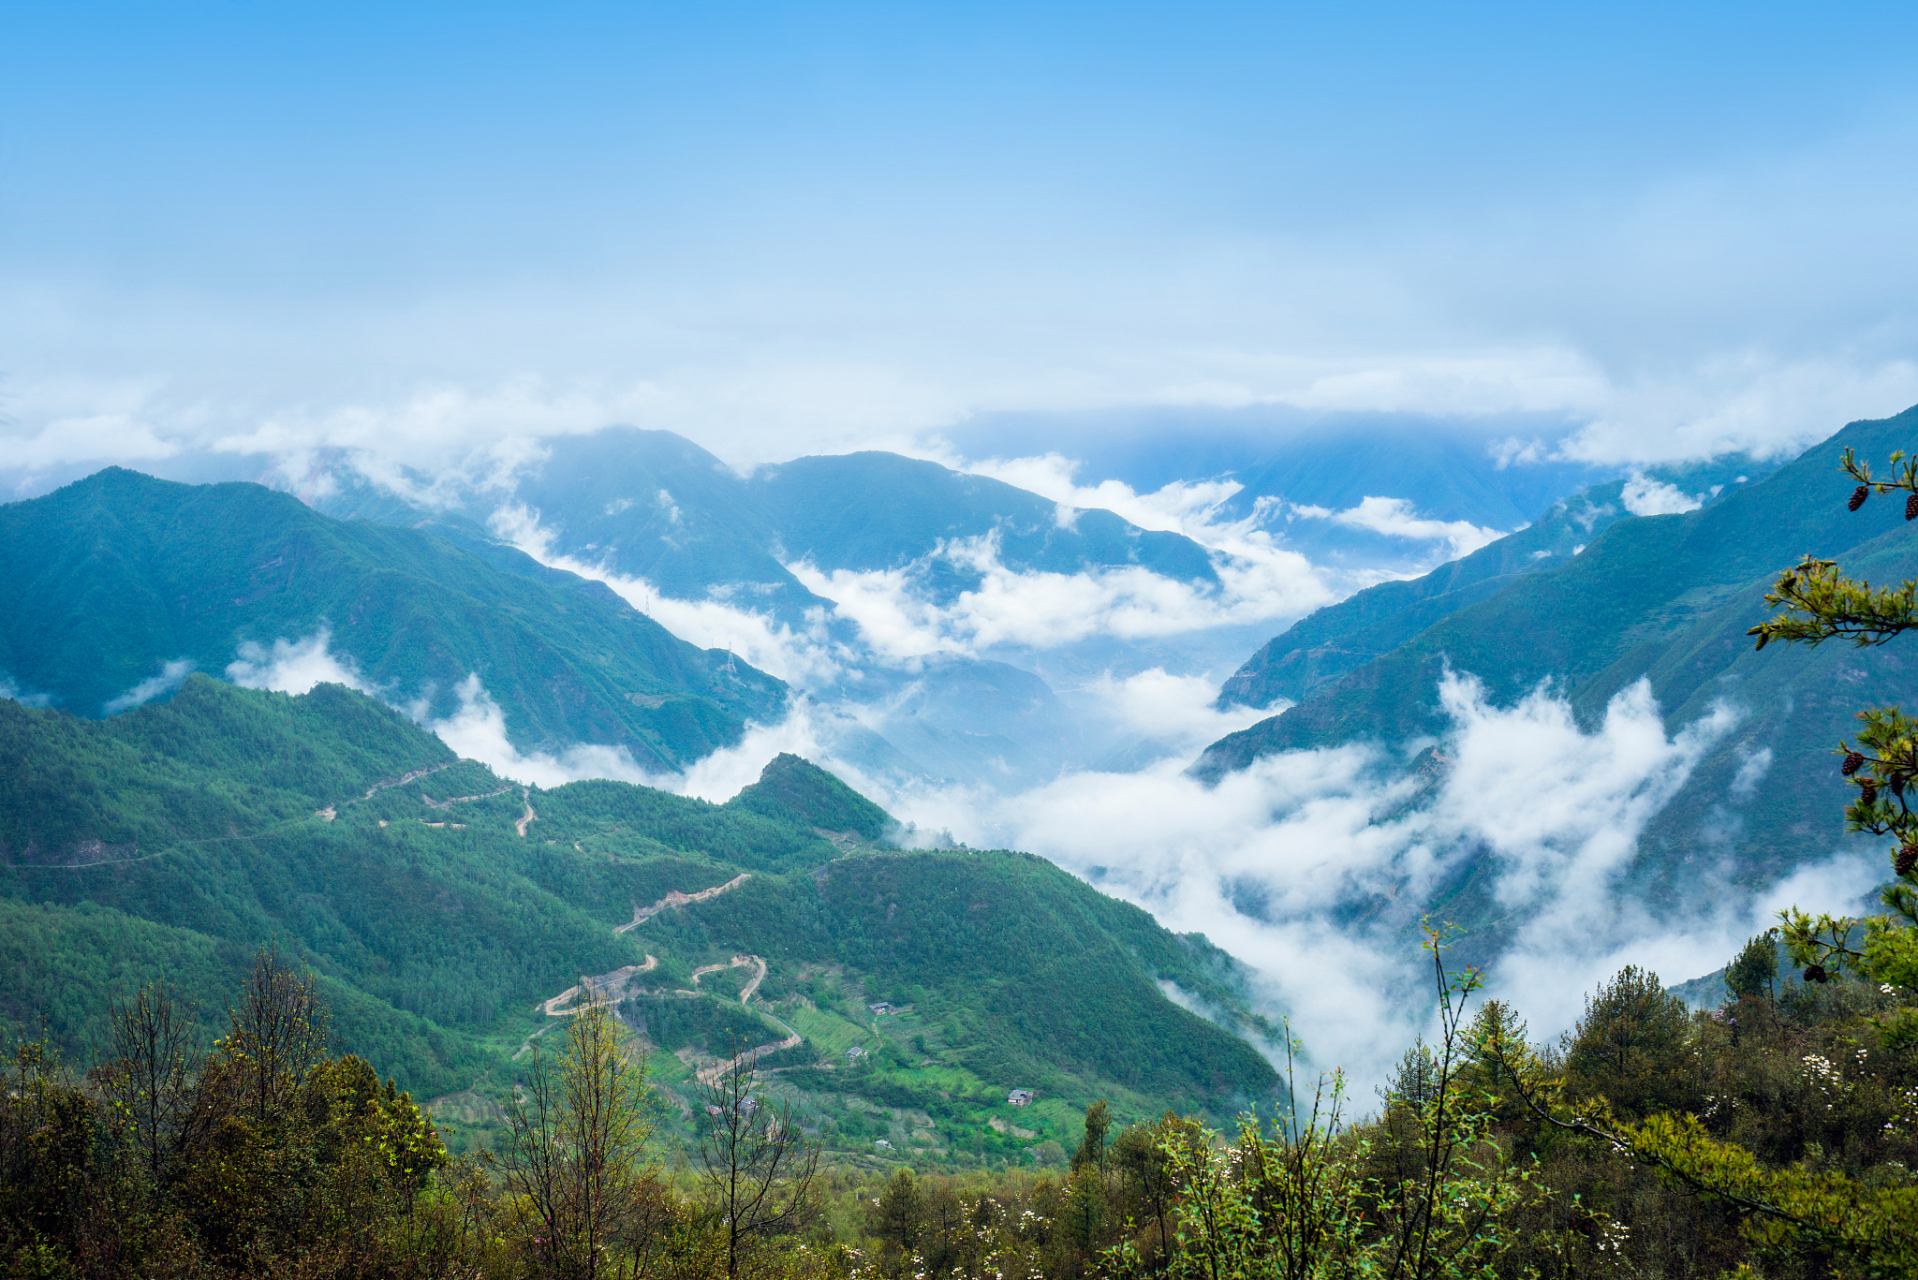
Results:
1753 972
51 1148
150 1080
757 1164
275 1036
1630 1045
1818 604
1806 1209
578 1136
1140 1154
1426 1193
1092 1147
898 1220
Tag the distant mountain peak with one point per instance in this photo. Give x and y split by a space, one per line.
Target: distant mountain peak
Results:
793 789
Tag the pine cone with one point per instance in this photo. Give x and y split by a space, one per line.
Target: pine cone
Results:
1911 507
1858 497
1868 792
1817 974
1907 859
1853 761
1897 784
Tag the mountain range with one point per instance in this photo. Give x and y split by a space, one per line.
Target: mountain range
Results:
656 506
154 821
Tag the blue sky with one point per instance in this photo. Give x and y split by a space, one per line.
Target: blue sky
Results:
791 227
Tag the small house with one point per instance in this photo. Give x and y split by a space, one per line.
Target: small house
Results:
1020 1097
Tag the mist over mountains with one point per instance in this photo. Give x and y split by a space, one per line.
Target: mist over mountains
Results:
1288 691
916 602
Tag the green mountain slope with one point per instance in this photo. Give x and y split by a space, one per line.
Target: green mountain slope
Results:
449 913
1334 640
1668 598
112 577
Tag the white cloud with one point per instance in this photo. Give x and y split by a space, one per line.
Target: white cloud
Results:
719 776
1042 609
1751 773
899 621
1176 707
172 676
1196 510
293 666
1190 508
805 657
1644 496
1397 518
14 693
100 437
1750 402
1562 810
477 731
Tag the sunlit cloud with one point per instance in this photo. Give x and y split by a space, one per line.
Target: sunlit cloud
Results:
1644 496
1396 518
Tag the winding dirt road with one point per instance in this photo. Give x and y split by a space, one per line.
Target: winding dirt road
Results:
737 962
450 801
707 1075
609 988
403 779
606 989
674 898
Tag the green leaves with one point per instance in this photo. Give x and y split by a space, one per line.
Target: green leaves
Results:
1820 603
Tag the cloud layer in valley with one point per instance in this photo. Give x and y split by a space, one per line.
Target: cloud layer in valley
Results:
1299 864
1270 862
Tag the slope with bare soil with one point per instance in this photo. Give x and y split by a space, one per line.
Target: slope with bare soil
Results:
677 899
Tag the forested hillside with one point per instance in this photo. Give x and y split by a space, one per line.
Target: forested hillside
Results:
1310 655
447 913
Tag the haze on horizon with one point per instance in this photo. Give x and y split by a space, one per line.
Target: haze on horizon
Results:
782 229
